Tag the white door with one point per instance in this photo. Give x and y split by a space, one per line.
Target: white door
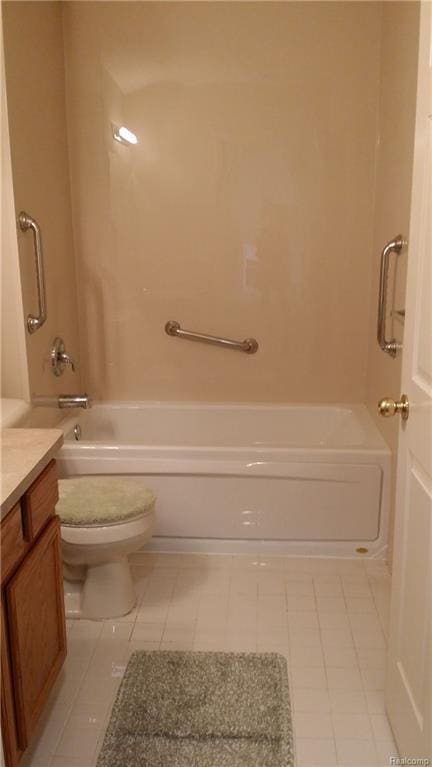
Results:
409 670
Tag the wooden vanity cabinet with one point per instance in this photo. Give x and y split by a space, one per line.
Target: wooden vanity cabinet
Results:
33 620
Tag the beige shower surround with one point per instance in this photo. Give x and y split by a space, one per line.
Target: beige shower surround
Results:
34 63
245 209
400 26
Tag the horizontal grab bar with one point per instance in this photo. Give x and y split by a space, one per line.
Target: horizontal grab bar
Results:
249 345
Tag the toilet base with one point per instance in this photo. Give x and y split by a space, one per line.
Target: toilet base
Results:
107 592
74 573
95 560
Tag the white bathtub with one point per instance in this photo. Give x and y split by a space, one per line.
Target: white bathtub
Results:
239 478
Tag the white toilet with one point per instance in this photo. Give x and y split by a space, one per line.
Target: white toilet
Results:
103 520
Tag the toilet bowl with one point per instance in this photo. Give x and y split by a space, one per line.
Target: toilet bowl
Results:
103 520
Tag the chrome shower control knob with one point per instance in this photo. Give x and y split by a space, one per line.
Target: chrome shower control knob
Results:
388 407
60 358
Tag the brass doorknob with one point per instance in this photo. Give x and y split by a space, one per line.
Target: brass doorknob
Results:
387 407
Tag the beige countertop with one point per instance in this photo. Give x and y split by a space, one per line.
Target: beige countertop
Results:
24 454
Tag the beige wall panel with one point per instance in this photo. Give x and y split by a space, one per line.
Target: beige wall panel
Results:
13 360
245 209
34 63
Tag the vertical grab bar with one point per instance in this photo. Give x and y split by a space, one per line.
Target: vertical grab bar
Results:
394 246
27 222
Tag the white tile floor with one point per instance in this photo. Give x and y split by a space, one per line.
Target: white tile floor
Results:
328 617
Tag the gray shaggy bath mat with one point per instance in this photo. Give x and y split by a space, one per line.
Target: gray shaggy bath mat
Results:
201 709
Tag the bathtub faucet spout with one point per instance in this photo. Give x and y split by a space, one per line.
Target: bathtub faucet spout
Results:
74 400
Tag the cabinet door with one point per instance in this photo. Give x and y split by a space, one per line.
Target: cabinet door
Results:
36 627
11 750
